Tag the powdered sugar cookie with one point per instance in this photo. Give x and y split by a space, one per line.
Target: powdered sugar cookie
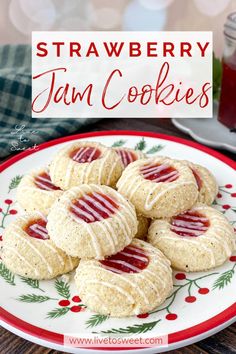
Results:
129 155
159 187
85 162
36 192
200 239
206 182
143 225
92 221
134 281
27 250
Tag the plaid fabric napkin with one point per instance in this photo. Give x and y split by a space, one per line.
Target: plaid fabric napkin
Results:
18 130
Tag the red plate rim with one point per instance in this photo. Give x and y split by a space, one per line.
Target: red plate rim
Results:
175 337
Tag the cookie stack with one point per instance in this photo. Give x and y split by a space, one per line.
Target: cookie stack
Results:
94 207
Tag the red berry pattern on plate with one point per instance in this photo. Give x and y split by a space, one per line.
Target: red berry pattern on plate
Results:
191 224
37 229
126 156
171 316
93 207
131 260
85 154
43 181
203 291
159 173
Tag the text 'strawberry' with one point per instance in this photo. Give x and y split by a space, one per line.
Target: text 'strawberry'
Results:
8 201
75 308
233 259
180 276
13 212
190 299
64 303
171 316
203 291
226 206
143 315
76 299
228 186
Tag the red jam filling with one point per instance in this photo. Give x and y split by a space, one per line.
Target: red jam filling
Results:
37 229
85 154
43 181
126 156
191 224
93 207
131 260
197 178
159 173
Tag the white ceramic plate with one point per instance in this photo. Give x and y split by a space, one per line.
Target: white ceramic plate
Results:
44 311
208 131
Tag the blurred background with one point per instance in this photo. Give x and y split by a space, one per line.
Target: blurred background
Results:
19 17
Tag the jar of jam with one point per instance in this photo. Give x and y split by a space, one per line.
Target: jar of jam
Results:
227 109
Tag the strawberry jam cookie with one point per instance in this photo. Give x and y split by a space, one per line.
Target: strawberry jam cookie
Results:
37 192
159 187
92 221
197 240
85 162
129 155
28 250
143 225
207 185
131 282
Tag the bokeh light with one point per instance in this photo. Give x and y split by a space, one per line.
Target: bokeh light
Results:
211 7
137 17
155 4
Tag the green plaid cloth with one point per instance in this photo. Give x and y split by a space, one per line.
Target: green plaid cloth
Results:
15 105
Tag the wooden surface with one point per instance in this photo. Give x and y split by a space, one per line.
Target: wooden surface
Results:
223 342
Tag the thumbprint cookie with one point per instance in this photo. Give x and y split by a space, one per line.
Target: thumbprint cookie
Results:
129 155
27 249
143 225
92 221
159 187
197 240
36 192
131 282
206 182
85 162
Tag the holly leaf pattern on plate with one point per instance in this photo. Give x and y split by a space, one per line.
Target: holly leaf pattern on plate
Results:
96 320
62 288
223 280
14 182
155 149
141 145
58 312
135 329
118 143
33 298
6 274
